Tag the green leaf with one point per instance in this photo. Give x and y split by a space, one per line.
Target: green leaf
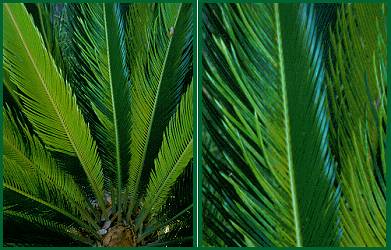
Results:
47 100
10 88
173 157
100 39
266 111
357 93
32 172
157 83
52 225
161 223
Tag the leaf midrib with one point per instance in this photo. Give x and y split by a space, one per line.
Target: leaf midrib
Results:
115 121
299 237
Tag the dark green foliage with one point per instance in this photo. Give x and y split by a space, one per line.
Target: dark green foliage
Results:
294 121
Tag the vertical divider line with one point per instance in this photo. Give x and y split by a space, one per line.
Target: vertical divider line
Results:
199 127
196 123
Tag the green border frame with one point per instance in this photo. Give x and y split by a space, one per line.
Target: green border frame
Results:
197 107
195 131
200 4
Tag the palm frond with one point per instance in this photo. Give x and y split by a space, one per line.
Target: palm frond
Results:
156 85
32 172
265 110
48 24
100 39
177 207
357 93
47 100
221 213
163 223
52 225
10 88
173 157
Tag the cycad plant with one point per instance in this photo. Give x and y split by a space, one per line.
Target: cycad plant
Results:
98 127
294 121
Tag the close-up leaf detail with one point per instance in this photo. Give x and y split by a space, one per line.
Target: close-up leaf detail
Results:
294 124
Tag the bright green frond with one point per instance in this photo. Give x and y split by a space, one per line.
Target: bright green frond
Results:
157 83
10 88
47 100
173 157
357 95
31 170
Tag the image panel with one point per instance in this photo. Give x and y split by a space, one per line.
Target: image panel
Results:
98 124
294 125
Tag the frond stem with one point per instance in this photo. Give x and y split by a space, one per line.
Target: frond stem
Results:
115 121
299 238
